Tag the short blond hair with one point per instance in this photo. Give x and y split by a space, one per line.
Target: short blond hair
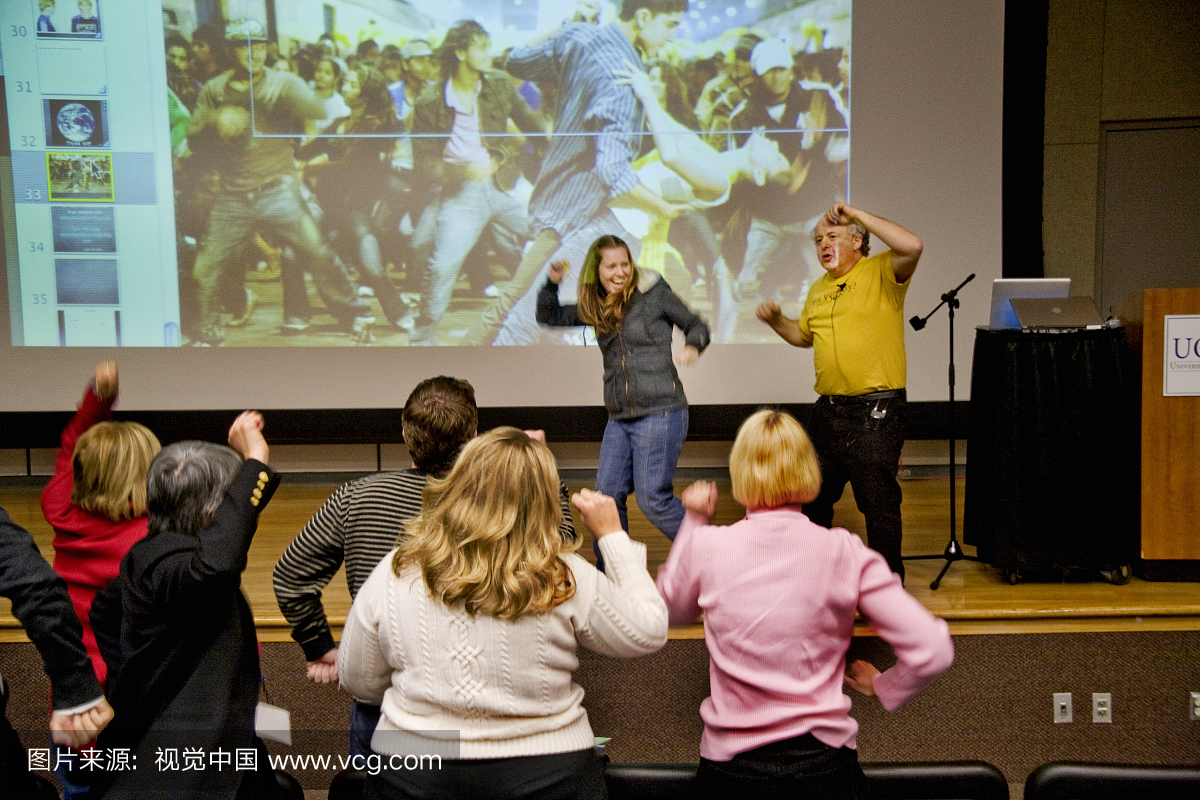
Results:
773 462
109 467
487 535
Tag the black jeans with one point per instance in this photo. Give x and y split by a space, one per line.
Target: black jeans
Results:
801 767
858 439
559 776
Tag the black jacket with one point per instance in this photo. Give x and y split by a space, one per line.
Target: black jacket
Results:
639 372
40 601
179 640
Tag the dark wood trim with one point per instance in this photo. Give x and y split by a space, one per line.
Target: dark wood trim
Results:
382 425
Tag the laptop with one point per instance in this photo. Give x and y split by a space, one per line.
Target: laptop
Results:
1057 313
1005 289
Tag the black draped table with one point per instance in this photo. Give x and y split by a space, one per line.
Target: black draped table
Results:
1051 476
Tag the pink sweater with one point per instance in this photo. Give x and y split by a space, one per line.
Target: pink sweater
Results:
779 595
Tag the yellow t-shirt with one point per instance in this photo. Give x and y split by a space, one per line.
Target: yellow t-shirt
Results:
856 325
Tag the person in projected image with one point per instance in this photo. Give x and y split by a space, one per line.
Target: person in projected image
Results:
85 22
853 319
785 208
723 94
684 169
326 85
45 11
348 166
365 518
260 186
208 52
473 165
582 176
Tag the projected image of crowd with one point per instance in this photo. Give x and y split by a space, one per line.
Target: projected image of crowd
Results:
410 183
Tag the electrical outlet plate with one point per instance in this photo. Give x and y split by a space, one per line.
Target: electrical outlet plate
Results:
1062 707
1101 707
1194 707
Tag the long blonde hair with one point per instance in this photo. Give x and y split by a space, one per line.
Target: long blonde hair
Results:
109 468
487 535
596 307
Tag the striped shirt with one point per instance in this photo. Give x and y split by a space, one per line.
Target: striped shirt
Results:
597 126
359 524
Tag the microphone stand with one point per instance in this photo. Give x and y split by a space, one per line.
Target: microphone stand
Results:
953 552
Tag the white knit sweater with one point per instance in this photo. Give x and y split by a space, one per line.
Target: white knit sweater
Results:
483 687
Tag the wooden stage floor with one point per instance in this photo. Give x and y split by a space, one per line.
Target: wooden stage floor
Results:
973 597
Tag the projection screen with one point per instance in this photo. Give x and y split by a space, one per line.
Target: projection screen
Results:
200 223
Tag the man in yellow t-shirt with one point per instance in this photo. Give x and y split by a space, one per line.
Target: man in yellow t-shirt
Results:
854 320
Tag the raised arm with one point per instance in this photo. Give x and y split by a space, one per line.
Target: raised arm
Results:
787 328
906 248
549 310
96 406
217 563
678 582
680 149
627 618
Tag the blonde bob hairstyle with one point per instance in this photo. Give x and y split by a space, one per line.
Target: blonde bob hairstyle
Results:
109 468
773 462
487 535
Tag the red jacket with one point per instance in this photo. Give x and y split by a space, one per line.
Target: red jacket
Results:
87 548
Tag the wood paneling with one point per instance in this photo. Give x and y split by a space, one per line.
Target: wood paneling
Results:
973 597
1170 442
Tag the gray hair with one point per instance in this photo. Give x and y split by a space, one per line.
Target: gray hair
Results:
855 230
858 230
186 484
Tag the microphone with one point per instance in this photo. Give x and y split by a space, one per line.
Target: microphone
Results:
917 323
842 286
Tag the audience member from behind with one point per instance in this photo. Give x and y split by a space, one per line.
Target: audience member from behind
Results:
40 603
96 500
774 585
175 628
486 583
361 523
96 503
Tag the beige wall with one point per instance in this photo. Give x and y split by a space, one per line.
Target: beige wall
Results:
1106 61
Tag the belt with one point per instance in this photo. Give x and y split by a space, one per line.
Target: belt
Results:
843 399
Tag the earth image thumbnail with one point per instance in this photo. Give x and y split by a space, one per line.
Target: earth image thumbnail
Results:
76 123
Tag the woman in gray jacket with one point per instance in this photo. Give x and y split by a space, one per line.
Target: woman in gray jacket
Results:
634 314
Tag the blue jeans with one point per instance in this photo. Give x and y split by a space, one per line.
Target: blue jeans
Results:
859 440
461 220
364 718
639 455
278 208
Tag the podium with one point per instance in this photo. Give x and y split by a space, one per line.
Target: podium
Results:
1050 429
1170 453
